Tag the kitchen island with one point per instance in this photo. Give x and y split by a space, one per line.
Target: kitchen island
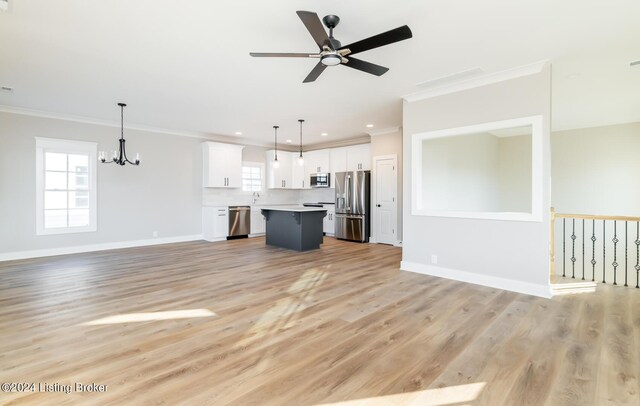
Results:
295 227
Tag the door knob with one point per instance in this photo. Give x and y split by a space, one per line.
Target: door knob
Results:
377 205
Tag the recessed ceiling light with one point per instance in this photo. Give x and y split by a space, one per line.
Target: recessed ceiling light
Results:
238 132
7 89
369 125
634 63
288 141
324 134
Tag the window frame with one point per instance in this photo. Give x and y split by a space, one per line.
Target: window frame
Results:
63 146
259 165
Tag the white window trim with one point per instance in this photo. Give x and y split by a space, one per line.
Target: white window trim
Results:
262 175
65 146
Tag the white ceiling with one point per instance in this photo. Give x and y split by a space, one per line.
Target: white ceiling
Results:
185 66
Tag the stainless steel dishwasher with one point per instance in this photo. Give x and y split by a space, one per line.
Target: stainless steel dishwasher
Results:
239 221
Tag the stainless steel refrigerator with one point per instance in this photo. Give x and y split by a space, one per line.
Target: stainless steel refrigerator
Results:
352 205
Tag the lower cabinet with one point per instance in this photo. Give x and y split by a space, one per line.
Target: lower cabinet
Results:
329 223
215 223
257 221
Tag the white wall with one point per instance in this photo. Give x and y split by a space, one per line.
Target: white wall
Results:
163 194
596 170
512 255
390 144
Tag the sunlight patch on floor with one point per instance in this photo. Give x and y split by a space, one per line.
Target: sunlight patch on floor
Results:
281 314
450 395
151 316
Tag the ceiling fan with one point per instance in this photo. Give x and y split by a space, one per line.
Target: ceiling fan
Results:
331 50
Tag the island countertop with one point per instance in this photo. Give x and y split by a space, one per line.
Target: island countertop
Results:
293 208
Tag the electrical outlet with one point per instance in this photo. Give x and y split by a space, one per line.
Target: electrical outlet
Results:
155 234
434 259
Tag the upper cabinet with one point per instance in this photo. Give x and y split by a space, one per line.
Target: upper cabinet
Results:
222 165
359 158
317 161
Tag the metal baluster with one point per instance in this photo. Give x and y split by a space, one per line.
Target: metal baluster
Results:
582 249
564 243
593 251
573 249
626 258
604 248
637 254
615 247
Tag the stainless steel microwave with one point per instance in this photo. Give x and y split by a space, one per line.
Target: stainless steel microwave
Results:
320 180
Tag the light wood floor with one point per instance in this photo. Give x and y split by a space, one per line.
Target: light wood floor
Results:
338 325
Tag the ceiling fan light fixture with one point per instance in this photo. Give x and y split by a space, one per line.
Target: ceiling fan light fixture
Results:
331 59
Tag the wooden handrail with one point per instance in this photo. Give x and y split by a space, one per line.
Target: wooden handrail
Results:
594 217
553 216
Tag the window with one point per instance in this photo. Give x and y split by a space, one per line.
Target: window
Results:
65 186
252 177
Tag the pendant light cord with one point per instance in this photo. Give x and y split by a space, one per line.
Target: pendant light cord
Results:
121 121
275 129
301 121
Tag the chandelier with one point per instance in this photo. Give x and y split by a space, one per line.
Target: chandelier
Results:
120 157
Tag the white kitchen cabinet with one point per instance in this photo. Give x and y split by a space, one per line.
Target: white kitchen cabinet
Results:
280 177
257 221
298 178
317 161
329 223
215 223
359 158
222 165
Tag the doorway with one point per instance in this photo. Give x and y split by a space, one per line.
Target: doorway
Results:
385 199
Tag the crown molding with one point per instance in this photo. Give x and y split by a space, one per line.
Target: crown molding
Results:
132 127
384 131
340 143
478 81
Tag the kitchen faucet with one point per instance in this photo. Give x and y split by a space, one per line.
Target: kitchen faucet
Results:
256 195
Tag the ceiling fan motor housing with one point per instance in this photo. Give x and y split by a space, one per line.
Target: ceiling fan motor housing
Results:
331 59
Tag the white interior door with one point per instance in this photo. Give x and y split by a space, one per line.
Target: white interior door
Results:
386 201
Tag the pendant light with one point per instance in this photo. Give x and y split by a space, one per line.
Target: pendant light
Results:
120 157
300 158
276 164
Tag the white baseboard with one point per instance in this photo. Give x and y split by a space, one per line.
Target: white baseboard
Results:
48 252
478 279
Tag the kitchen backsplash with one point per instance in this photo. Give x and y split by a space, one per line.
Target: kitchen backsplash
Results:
227 197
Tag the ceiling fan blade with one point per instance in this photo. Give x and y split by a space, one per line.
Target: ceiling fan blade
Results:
320 67
283 55
364 66
386 38
314 26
